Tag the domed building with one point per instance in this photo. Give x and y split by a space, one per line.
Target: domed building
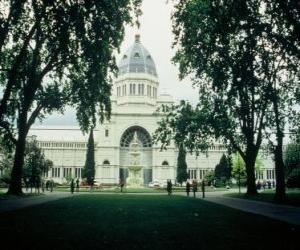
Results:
134 118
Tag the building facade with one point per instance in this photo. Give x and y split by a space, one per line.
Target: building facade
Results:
135 106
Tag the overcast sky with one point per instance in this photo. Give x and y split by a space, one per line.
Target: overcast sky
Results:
156 36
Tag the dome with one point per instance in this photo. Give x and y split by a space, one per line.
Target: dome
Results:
137 59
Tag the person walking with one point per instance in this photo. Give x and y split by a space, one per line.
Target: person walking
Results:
72 186
51 185
188 188
77 185
121 185
203 188
169 187
195 188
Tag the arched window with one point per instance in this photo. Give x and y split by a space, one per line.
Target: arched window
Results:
136 55
165 163
106 162
142 135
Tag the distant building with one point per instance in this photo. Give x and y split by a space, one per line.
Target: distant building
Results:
134 109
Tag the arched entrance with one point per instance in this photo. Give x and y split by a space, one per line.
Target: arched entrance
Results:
145 146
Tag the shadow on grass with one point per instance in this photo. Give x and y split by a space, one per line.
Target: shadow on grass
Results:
141 222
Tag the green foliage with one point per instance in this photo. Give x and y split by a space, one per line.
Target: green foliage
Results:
292 164
182 173
292 157
209 177
223 171
233 51
89 167
239 169
293 178
186 125
55 53
35 164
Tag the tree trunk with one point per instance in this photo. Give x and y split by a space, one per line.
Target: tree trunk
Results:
279 165
250 170
15 187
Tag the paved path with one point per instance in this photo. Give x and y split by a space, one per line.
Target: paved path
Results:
285 213
17 203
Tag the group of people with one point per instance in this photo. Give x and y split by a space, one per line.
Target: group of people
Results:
194 187
265 184
188 188
38 183
72 185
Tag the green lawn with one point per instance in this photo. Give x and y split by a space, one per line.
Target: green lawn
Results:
293 196
141 222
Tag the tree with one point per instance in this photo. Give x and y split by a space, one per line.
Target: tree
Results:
180 124
223 170
89 167
35 164
55 53
182 174
228 49
292 164
239 170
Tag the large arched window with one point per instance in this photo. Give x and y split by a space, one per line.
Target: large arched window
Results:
142 135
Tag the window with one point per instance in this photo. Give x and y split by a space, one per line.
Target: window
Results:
136 55
141 89
67 172
106 132
78 172
56 172
106 162
165 163
133 89
193 174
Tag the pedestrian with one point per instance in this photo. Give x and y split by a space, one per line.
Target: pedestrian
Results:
188 188
195 188
77 185
51 185
269 184
203 189
264 185
169 187
72 186
43 186
121 185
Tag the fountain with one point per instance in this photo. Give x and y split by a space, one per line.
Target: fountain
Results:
135 178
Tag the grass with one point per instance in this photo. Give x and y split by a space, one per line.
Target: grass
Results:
141 222
136 190
293 196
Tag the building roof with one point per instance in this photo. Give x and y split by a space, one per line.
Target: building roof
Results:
137 59
58 133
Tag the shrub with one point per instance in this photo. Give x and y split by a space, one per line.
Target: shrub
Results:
293 179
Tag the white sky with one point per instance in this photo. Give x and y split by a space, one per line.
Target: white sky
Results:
156 36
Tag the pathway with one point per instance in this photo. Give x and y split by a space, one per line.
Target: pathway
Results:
285 213
21 202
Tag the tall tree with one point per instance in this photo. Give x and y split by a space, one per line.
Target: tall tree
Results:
182 173
226 46
89 167
58 49
223 169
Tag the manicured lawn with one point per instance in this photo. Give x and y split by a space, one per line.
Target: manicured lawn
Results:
141 222
293 197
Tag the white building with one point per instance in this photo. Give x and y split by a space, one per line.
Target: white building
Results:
134 109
